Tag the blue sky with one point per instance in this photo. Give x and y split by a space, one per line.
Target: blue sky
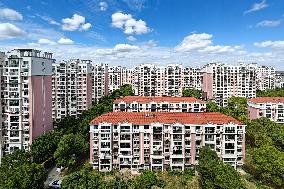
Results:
130 32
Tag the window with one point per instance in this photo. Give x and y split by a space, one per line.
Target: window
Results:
146 126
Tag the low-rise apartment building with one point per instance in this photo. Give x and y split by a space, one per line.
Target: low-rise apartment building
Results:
158 104
269 107
163 140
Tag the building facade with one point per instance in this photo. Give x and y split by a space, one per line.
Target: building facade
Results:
221 81
163 140
100 81
266 78
158 104
71 88
269 107
27 98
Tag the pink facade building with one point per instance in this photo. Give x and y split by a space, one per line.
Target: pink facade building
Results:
158 104
222 81
27 98
269 107
163 140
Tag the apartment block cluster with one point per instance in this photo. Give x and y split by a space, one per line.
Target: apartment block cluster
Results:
162 133
36 90
218 81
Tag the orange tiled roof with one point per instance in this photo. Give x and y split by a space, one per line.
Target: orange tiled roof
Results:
165 117
267 100
147 99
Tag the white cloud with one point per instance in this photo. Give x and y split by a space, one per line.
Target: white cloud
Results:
269 23
10 14
131 38
75 23
272 44
8 31
125 48
129 24
46 42
103 6
49 20
86 26
65 41
257 6
219 49
194 41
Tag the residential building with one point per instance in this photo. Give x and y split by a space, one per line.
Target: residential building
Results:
100 81
2 61
158 104
118 76
269 107
71 88
221 81
173 80
148 80
265 78
163 140
279 79
192 78
27 98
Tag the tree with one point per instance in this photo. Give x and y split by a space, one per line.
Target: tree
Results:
268 164
71 149
192 93
214 174
18 171
146 180
44 146
277 92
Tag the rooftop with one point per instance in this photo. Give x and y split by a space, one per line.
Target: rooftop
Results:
165 117
148 99
267 100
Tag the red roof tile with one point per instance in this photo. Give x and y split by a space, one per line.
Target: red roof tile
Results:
165 117
267 100
148 99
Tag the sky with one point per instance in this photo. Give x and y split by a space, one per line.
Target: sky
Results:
131 32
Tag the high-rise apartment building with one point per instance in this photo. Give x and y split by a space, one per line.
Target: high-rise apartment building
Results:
117 77
163 140
100 81
192 78
2 61
71 88
27 98
173 80
221 81
149 80
265 78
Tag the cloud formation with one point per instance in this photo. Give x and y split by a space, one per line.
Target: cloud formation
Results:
10 14
103 6
256 7
8 31
65 41
269 23
77 22
127 23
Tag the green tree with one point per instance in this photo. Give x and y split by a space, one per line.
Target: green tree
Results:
146 180
192 93
214 174
17 171
44 146
71 149
268 165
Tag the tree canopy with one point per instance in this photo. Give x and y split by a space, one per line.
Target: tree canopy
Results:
192 93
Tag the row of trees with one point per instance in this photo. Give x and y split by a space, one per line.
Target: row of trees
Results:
277 92
67 144
88 178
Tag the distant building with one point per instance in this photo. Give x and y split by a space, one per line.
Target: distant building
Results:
71 88
158 104
279 79
162 140
27 98
100 81
222 81
265 78
269 107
